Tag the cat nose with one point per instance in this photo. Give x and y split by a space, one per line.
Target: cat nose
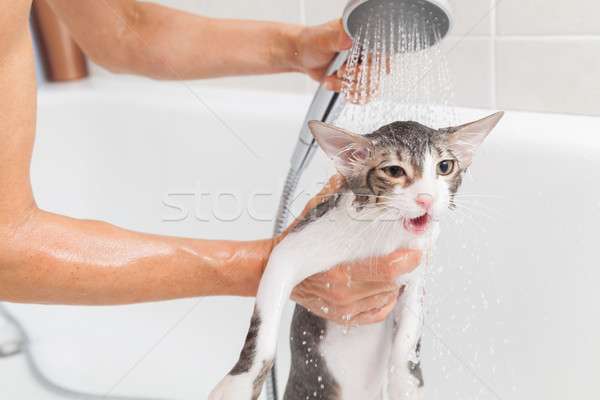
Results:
425 200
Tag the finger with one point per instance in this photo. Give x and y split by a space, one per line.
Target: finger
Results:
344 41
341 71
367 304
406 260
340 294
335 38
334 185
384 268
333 83
373 316
367 312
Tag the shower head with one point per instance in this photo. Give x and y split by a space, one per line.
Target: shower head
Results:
395 26
431 18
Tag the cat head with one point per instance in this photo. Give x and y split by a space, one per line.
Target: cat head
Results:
407 168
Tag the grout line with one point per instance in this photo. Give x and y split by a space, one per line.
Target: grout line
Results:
303 19
493 60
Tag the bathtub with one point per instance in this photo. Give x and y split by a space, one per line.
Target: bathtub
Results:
512 291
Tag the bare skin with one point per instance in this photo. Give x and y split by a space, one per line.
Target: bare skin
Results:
52 259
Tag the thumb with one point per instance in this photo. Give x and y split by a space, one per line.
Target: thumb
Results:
337 38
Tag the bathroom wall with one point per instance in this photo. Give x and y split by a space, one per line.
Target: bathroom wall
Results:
537 55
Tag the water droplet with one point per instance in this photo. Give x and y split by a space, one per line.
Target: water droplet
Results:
320 378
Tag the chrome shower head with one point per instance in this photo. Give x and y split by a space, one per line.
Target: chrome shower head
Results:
432 18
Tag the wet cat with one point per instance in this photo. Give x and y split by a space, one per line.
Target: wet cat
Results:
399 180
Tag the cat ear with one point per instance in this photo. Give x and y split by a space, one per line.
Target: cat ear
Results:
465 139
343 147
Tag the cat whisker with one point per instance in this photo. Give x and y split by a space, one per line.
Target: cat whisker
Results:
483 230
472 206
384 229
491 196
370 222
381 217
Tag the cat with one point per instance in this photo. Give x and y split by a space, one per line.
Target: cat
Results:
398 182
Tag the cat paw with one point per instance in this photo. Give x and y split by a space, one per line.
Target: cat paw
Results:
234 387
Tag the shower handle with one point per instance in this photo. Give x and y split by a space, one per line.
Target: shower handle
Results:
320 109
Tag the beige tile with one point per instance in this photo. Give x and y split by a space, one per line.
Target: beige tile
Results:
549 75
472 17
548 17
470 64
268 10
320 11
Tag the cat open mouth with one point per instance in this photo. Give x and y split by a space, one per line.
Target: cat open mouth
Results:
418 225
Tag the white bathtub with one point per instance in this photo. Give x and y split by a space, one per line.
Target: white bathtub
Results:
513 293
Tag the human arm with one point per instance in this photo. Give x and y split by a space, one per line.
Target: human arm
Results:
148 39
47 258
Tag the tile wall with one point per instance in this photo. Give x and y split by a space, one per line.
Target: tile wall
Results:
537 55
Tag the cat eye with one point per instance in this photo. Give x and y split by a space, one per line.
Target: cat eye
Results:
394 171
445 167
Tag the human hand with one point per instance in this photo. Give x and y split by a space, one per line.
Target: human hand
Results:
315 48
361 292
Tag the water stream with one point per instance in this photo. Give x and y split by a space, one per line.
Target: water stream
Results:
395 72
